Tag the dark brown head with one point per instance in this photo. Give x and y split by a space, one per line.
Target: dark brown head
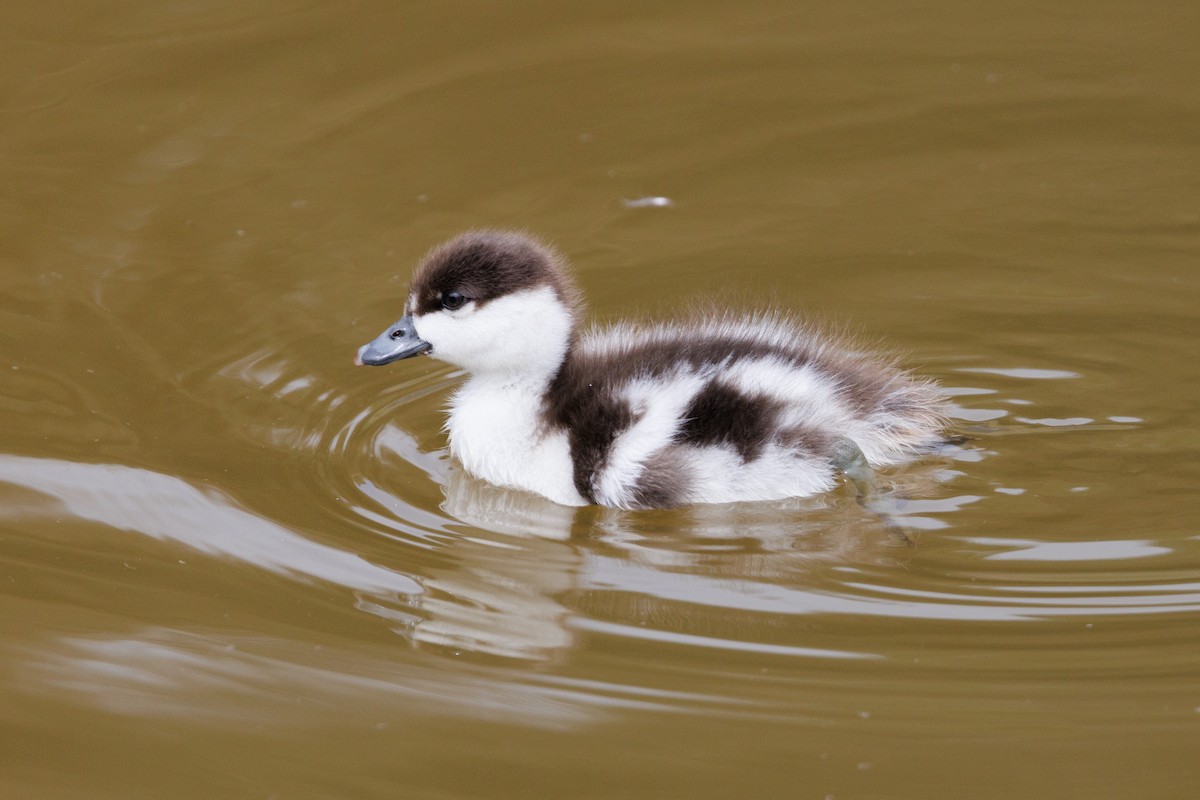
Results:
480 266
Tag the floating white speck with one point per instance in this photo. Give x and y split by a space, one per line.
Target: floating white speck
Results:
1126 419
647 202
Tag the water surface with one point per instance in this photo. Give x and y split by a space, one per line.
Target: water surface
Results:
234 565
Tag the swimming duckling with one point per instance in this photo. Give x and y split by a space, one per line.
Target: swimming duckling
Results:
711 410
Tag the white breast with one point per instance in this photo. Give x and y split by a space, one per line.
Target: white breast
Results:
496 431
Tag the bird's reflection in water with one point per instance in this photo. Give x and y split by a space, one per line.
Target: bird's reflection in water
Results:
524 568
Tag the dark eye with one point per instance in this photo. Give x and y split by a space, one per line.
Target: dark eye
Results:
453 300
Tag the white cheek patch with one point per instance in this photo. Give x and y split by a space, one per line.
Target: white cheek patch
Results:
526 331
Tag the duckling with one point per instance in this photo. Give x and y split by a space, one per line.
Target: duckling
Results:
715 409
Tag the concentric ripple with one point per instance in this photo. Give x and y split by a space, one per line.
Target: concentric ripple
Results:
506 574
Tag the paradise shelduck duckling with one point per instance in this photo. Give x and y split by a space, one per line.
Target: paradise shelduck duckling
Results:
716 408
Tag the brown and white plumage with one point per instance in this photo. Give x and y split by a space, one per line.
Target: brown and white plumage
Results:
715 409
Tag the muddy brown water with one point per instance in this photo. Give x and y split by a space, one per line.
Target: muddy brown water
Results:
234 565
